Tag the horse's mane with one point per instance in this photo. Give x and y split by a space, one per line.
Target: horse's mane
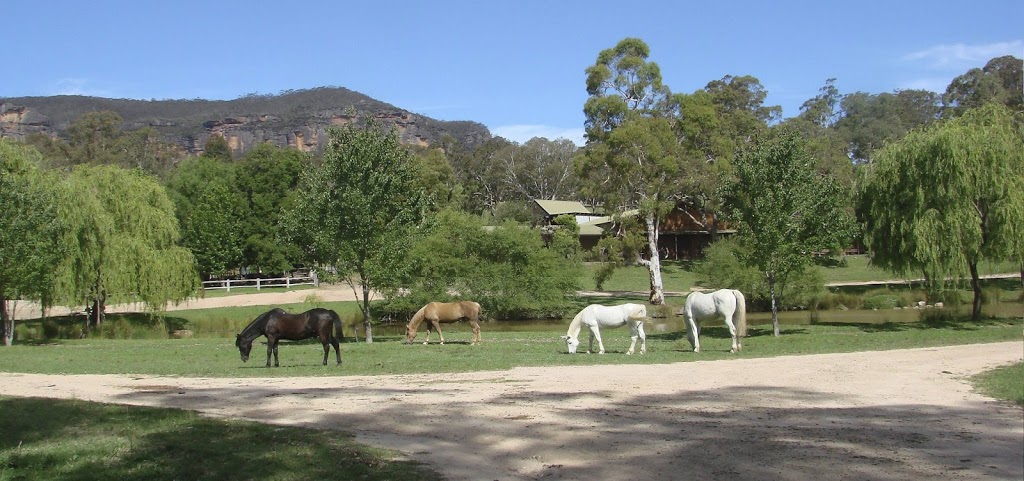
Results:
417 318
255 328
576 324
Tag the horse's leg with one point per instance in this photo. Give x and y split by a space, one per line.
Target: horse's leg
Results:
693 333
437 327
596 332
327 349
732 330
632 338
271 349
476 330
643 337
337 349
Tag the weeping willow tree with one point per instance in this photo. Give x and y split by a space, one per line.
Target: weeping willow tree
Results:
29 230
122 240
944 199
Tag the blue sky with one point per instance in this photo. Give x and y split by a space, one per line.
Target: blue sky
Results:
515 66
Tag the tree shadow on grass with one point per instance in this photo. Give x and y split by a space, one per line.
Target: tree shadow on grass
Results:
136 443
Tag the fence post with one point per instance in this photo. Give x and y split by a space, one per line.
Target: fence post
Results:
229 285
257 283
287 282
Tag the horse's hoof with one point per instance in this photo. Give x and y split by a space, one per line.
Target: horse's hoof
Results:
424 343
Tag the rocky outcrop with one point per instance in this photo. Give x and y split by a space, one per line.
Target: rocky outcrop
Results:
298 119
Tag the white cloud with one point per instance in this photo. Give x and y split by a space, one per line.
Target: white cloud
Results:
934 84
961 56
77 86
523 133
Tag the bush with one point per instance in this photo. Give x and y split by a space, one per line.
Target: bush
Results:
883 301
507 269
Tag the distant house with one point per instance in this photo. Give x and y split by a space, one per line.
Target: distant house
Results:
682 234
547 210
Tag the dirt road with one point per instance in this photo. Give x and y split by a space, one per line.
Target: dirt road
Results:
892 415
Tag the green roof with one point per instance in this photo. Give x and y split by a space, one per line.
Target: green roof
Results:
558 207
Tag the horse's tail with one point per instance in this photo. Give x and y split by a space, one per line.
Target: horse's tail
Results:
337 326
741 313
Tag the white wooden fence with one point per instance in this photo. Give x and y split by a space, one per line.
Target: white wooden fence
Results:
286 282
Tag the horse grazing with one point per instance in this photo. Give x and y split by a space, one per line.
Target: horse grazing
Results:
276 324
728 303
596 316
437 312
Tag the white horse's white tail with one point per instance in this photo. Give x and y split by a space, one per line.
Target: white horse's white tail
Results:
740 318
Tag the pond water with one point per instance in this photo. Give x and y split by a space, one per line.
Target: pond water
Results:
675 322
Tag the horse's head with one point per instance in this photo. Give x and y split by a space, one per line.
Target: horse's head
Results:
571 343
243 347
410 333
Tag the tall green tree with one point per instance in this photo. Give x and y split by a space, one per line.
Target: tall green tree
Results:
123 242
30 229
361 210
713 123
633 157
539 169
211 213
268 177
1001 81
785 210
944 199
868 121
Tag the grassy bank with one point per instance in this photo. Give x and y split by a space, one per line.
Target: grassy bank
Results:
500 350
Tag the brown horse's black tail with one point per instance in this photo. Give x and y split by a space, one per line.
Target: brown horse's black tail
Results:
337 326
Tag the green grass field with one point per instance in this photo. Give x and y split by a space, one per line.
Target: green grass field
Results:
51 439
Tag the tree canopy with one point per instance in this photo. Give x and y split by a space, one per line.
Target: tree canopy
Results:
786 211
122 238
30 229
359 209
943 199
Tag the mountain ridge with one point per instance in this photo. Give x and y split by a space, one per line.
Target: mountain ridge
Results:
296 118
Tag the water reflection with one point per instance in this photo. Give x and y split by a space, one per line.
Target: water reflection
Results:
675 322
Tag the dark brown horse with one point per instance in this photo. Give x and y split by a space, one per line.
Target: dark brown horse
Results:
437 312
276 324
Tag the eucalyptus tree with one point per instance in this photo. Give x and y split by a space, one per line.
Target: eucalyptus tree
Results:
30 229
1001 80
360 210
713 123
539 169
784 209
946 198
632 159
868 121
122 242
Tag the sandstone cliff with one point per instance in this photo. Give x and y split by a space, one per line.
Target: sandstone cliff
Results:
298 119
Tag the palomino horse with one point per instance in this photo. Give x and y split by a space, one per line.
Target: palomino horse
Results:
277 324
728 303
437 312
596 316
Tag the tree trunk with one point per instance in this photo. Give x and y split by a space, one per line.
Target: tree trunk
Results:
654 265
6 323
775 304
976 285
367 327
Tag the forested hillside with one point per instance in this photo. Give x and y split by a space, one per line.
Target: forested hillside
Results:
297 118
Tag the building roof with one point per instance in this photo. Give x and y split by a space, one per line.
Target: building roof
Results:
559 207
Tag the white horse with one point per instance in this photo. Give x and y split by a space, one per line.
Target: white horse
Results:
596 316
728 303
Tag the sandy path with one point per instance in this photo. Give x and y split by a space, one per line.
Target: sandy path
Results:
893 415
